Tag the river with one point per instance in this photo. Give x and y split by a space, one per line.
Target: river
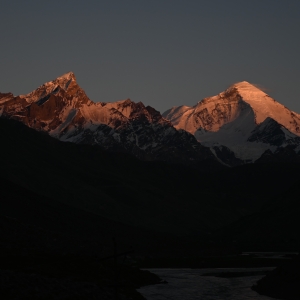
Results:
189 284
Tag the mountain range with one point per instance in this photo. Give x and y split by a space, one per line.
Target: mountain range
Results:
63 110
242 124
75 173
239 125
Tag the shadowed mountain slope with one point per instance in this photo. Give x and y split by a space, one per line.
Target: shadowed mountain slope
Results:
116 186
274 226
162 197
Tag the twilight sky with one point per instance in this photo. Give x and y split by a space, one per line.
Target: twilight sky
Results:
163 53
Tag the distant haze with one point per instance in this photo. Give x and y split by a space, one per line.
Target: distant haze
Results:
162 53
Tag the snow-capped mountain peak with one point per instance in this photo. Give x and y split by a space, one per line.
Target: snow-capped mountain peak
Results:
52 87
230 117
264 106
248 90
66 76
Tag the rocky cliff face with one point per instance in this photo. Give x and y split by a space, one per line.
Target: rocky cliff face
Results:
63 110
243 118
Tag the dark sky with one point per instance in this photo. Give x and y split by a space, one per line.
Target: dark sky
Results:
163 53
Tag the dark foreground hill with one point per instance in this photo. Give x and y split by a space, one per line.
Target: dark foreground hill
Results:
283 282
61 205
117 188
49 250
154 195
275 226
